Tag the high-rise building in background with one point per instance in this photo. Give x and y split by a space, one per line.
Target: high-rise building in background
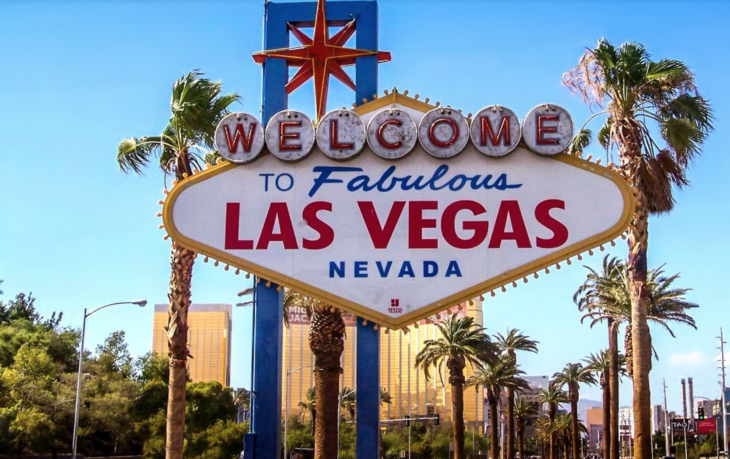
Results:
657 419
594 424
411 393
209 340
536 383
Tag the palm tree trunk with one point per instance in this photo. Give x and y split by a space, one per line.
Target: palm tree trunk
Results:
614 452
493 433
456 380
627 134
575 441
553 435
521 442
637 267
326 383
511 423
326 340
177 332
606 445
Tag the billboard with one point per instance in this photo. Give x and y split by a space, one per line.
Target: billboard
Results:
395 222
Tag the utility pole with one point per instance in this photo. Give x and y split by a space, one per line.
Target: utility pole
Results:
691 399
724 402
684 400
666 422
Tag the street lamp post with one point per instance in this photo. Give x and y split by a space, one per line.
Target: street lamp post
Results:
140 303
286 404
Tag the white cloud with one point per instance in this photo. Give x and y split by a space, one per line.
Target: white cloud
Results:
693 358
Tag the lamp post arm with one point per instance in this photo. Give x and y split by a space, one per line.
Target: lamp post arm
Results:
105 306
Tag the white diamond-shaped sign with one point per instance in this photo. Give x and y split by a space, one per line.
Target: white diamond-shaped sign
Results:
397 241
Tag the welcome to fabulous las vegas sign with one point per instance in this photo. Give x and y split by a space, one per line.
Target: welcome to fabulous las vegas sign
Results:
398 209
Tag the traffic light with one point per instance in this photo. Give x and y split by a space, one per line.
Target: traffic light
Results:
437 419
701 413
408 421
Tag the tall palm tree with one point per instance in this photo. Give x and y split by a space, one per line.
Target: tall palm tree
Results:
605 296
573 375
645 102
599 294
327 342
197 106
310 404
524 410
552 396
461 343
510 343
495 376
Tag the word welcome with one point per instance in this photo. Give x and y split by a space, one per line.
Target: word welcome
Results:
392 133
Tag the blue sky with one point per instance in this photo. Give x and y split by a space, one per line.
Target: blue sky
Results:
80 76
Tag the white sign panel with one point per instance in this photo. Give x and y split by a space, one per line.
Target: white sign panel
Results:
396 241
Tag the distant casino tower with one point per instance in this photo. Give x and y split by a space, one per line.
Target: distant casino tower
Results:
407 386
209 340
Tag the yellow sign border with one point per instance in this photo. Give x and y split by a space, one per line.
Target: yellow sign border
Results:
426 311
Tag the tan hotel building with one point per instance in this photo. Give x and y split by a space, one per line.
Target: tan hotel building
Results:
209 340
407 386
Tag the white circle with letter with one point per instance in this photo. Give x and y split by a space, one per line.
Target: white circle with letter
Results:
443 132
392 133
290 135
548 129
495 131
341 135
239 137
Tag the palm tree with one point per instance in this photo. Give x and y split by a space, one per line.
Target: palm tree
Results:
385 397
552 395
523 411
197 106
310 404
348 401
605 297
643 100
510 343
542 429
494 376
598 295
327 342
573 375
461 343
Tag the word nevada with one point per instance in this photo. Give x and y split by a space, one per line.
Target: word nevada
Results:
392 133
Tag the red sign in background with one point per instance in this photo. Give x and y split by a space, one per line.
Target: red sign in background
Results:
706 426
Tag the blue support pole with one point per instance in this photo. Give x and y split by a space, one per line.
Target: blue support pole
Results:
268 334
268 323
368 392
368 339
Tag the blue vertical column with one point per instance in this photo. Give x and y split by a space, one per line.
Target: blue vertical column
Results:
265 443
268 334
368 339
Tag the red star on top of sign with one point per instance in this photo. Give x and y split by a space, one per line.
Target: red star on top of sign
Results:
319 57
